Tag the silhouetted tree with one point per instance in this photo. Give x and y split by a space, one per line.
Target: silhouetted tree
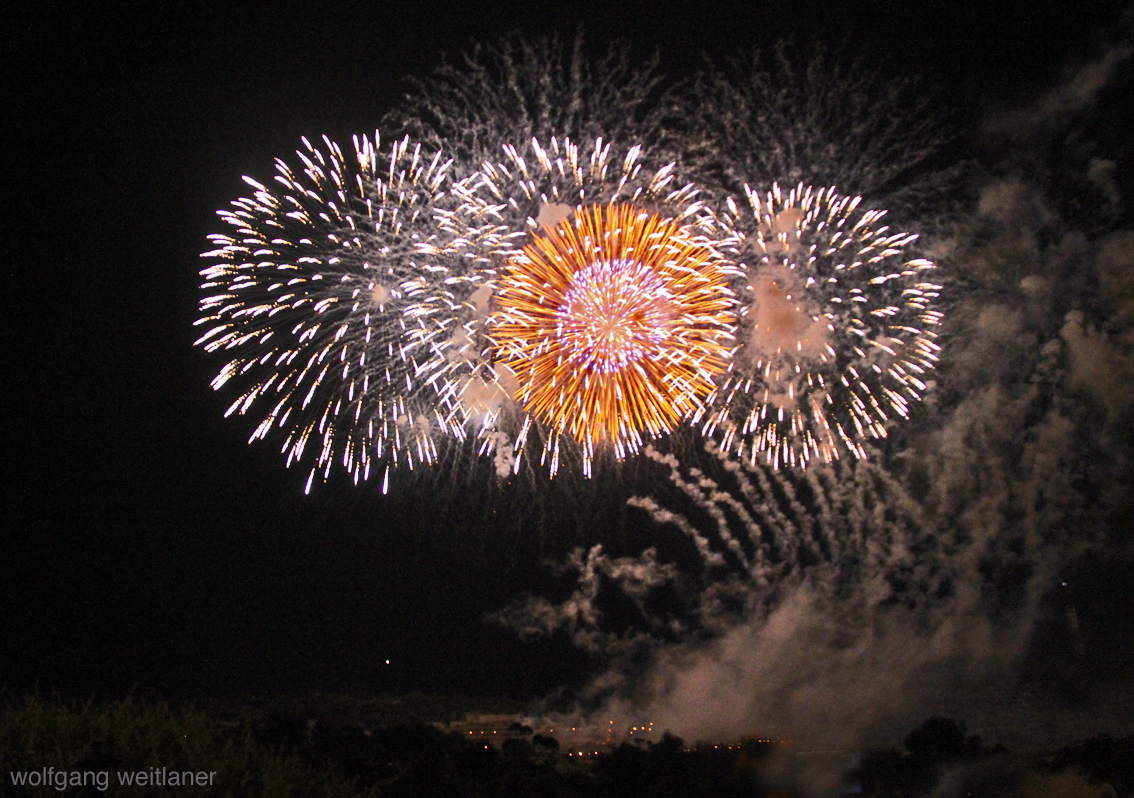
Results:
941 740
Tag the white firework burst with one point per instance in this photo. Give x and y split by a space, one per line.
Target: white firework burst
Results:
326 307
835 332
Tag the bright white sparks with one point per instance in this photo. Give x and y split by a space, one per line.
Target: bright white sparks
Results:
324 303
371 307
836 330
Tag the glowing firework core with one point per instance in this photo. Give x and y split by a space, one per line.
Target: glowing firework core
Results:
615 323
615 314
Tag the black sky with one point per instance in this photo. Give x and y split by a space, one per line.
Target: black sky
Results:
147 545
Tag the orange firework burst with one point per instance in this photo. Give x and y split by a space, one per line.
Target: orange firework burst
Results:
615 322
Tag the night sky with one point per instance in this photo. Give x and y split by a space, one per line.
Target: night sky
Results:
147 546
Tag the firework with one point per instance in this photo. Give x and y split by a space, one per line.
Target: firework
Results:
834 334
816 117
614 323
325 307
517 219
515 90
374 307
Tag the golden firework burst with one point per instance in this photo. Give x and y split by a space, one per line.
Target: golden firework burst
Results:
615 322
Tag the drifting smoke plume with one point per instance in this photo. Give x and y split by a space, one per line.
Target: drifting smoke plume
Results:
854 599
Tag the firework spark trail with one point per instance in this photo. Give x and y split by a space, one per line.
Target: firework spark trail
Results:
847 531
327 307
777 527
836 330
505 209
